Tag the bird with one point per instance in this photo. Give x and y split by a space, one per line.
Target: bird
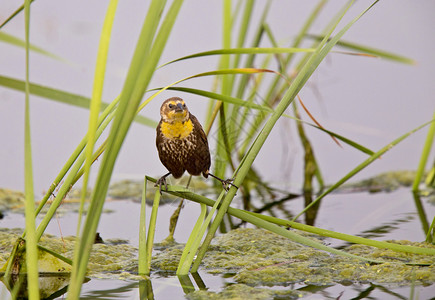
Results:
182 144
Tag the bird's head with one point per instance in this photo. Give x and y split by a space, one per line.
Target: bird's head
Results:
174 110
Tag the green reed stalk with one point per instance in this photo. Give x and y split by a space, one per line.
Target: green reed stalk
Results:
430 236
243 29
221 150
151 231
183 267
15 13
10 39
64 97
143 254
31 241
240 118
424 155
100 70
196 237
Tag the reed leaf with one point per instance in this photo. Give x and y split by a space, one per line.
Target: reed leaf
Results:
369 50
424 156
15 13
63 97
100 70
241 51
143 254
195 238
151 232
31 241
191 240
10 39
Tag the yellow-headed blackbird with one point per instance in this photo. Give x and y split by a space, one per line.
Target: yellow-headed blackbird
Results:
182 143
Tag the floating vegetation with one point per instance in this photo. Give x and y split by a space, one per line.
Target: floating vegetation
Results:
385 182
11 200
243 291
107 260
259 257
252 257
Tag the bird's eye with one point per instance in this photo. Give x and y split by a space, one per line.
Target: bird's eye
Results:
184 104
171 105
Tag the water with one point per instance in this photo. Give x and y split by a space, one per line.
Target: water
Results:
395 217
368 100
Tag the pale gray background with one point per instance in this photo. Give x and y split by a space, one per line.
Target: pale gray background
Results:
369 100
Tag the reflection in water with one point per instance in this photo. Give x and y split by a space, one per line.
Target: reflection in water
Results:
51 285
108 292
186 284
311 213
146 290
381 230
422 216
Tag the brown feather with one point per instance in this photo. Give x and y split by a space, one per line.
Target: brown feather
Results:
190 154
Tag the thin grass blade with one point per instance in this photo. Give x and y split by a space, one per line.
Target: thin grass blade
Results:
424 156
15 13
191 239
97 93
10 39
64 97
143 255
31 241
369 50
196 236
241 51
151 232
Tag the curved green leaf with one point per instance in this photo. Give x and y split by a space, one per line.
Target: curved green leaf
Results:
239 213
10 39
369 50
264 108
62 97
241 51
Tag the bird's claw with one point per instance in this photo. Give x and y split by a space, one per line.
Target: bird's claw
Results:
160 182
227 182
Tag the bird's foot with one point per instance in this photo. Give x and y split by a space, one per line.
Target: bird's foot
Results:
162 181
225 183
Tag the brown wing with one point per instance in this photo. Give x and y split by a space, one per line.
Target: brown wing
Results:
168 154
198 160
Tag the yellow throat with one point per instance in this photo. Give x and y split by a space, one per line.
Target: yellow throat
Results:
177 129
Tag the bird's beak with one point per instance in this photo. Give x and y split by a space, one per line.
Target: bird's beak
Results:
179 107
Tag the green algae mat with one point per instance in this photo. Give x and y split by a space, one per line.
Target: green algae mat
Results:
254 258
